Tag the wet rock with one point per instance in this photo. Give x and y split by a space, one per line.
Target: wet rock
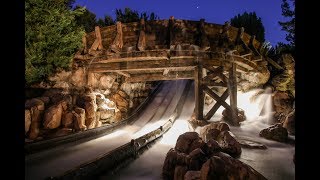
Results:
275 132
196 158
179 172
27 120
188 142
222 166
172 159
289 122
79 119
62 132
227 116
219 126
212 147
251 145
52 116
192 175
212 134
229 144
67 119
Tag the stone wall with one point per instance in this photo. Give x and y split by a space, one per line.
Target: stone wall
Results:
76 101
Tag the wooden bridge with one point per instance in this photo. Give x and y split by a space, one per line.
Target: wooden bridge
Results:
210 54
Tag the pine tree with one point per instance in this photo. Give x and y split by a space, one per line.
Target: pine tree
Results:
51 38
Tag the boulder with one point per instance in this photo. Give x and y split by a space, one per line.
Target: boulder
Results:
282 102
27 120
93 79
67 119
212 134
62 132
106 114
35 122
78 77
212 147
106 82
251 144
60 76
179 172
90 107
192 175
275 132
229 144
188 142
289 122
62 85
172 159
79 119
227 116
220 126
52 116
35 102
222 166
196 158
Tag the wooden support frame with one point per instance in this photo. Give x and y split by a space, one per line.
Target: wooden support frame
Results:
199 96
219 101
232 86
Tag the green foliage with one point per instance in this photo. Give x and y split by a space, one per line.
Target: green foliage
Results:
106 22
87 20
51 38
133 16
289 27
127 16
252 24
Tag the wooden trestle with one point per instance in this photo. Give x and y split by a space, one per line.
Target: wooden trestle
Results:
176 49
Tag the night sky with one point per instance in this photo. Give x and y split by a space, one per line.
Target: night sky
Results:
214 11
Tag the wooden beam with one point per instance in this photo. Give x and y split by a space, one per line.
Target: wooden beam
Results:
199 96
233 92
123 73
98 37
130 59
159 76
213 83
182 68
215 97
216 106
84 43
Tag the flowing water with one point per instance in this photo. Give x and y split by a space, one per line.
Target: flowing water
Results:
275 163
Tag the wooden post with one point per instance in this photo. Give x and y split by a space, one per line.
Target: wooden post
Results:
98 37
233 92
199 98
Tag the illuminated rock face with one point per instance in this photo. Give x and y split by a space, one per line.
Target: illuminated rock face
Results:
275 132
192 158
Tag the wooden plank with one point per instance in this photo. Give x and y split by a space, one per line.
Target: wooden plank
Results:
159 76
98 37
182 68
123 73
216 106
113 60
199 96
165 72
